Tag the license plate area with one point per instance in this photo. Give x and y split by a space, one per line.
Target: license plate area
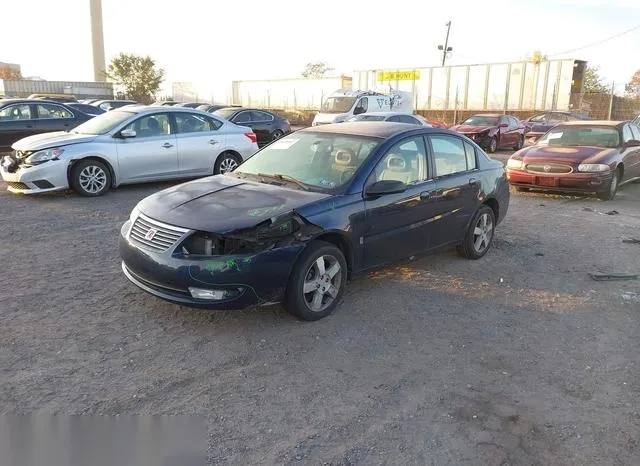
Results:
547 181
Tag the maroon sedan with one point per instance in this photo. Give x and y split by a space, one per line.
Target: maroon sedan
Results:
579 156
493 131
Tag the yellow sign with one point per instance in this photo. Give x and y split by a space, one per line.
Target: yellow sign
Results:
398 75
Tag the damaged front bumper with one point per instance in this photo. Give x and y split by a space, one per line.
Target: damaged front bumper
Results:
226 281
33 179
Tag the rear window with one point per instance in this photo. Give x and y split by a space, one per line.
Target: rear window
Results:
582 136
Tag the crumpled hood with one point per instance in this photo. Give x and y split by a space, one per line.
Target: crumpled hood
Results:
48 140
470 128
220 204
566 154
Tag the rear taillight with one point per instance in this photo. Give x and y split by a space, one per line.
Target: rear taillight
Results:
251 136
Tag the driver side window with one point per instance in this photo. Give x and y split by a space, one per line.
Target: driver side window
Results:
627 135
151 126
405 161
363 105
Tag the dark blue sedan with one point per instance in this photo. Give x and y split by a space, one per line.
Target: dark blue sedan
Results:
294 221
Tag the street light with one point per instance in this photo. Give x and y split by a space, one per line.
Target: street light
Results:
445 48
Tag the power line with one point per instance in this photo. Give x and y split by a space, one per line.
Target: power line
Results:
602 41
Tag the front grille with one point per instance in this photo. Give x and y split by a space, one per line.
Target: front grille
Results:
163 237
17 185
548 168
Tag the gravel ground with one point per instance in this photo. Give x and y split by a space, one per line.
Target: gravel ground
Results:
518 358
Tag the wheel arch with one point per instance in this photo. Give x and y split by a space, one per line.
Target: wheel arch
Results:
97 158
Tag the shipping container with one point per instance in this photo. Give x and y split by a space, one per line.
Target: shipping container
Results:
550 84
82 90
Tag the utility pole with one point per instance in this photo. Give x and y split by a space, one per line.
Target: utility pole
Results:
446 47
613 88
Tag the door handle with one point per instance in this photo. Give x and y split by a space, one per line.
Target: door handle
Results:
213 142
473 182
167 145
425 195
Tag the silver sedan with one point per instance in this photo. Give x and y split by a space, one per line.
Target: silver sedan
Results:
133 144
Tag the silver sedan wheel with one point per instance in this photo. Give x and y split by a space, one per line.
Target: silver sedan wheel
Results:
92 179
228 165
322 283
482 233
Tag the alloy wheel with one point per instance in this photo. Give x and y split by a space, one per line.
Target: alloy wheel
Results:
92 179
228 165
482 233
322 283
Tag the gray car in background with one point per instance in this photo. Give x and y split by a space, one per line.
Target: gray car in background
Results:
130 145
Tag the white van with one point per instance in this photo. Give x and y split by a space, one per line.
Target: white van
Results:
345 103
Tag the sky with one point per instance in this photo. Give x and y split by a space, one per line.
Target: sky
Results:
212 42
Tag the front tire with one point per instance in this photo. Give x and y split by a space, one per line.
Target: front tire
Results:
479 236
520 143
493 145
226 163
612 189
317 282
90 178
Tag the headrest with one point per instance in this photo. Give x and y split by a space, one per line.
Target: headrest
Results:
345 157
396 163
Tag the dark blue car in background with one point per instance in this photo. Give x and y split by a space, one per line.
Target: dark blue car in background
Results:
294 221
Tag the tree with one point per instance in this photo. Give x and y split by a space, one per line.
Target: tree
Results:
633 87
593 81
138 75
9 73
315 70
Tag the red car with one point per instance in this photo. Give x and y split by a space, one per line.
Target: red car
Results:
493 131
579 156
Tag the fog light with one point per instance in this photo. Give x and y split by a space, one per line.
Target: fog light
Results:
215 295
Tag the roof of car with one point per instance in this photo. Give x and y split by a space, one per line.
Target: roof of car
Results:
490 114
158 109
29 101
379 129
591 123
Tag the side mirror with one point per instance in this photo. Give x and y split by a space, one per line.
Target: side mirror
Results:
632 143
380 188
358 110
127 133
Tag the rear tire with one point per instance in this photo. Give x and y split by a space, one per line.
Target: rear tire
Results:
610 193
479 236
277 134
90 178
226 163
317 282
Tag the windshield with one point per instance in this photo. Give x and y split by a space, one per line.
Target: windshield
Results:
480 120
365 117
319 160
338 104
225 112
103 123
582 136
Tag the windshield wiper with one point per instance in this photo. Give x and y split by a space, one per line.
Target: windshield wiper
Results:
278 176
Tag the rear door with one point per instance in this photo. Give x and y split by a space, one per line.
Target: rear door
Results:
152 153
458 186
399 225
262 124
199 143
54 117
17 121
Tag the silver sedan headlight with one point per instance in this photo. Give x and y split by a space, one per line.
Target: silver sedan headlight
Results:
44 156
